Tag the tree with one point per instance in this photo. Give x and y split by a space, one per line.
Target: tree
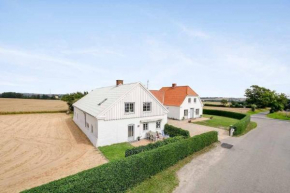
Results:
72 98
279 103
224 102
259 96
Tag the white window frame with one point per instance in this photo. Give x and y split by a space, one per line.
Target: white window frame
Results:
158 124
145 105
196 111
145 128
194 100
185 110
189 100
131 110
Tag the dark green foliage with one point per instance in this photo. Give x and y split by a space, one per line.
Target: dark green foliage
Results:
151 146
22 96
241 125
253 107
213 105
175 131
120 175
224 102
71 98
224 113
11 95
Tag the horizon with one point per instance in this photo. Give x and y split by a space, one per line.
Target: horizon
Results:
218 49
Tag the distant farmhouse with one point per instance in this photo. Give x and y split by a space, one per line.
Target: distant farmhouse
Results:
119 113
181 101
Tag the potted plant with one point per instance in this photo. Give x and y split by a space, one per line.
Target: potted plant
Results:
138 138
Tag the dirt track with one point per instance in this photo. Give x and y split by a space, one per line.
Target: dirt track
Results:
30 105
38 148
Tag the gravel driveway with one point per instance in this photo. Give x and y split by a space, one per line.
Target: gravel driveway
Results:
258 162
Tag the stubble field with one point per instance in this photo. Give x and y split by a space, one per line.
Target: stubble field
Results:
39 148
31 105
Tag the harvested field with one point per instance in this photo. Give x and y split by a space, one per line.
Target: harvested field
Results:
31 105
237 110
39 148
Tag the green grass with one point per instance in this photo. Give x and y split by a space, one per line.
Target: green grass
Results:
256 111
167 180
280 115
116 151
217 121
251 126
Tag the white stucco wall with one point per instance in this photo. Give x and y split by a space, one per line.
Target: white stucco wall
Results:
116 131
92 131
178 112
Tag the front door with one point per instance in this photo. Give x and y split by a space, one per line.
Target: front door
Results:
192 113
130 132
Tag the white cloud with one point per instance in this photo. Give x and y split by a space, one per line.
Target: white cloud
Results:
193 33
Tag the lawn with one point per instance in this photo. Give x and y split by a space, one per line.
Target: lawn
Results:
217 121
167 180
280 115
256 111
116 151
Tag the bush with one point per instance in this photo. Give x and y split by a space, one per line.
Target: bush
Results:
253 107
241 125
123 174
175 131
213 105
151 146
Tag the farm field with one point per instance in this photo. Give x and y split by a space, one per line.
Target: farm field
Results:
237 110
39 148
31 105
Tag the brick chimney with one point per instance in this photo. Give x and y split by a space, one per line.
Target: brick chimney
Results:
119 82
173 85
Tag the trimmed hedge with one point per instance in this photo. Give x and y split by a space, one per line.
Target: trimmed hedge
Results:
214 105
241 125
175 131
123 174
151 146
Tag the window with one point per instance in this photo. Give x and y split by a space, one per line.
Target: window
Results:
189 100
194 100
147 106
185 112
129 107
197 111
87 125
158 124
145 126
92 128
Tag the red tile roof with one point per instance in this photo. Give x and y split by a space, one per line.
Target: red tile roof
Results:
173 96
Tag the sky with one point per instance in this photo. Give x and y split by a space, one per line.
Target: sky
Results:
218 48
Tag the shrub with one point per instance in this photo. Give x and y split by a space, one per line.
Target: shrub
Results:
253 107
175 131
241 125
213 105
123 174
151 146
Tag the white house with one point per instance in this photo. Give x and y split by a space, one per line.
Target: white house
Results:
181 101
119 113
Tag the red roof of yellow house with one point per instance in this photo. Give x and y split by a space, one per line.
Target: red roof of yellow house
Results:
173 96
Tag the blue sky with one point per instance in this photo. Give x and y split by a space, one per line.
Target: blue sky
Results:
219 48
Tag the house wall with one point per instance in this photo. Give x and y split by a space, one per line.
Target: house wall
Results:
116 131
174 112
92 131
138 95
196 105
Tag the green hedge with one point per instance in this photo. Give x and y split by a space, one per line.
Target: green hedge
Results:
123 174
213 105
241 125
151 146
175 131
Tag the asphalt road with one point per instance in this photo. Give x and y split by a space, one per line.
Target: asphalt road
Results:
258 162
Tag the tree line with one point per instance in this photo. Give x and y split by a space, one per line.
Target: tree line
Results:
22 96
71 98
260 97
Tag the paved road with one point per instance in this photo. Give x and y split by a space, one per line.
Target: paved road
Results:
258 162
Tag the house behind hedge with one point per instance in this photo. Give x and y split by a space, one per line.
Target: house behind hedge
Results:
181 101
119 113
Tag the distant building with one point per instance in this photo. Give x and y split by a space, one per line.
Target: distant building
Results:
181 101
